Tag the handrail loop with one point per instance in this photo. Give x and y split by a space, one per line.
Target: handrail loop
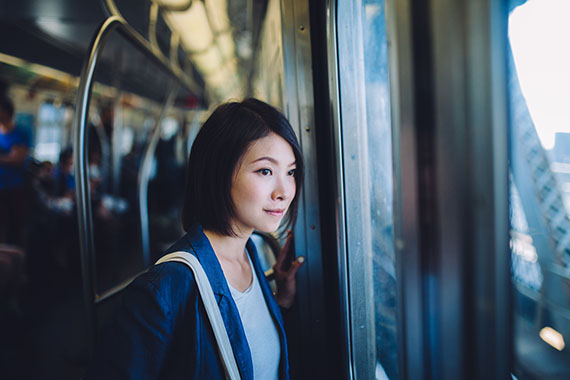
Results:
174 45
152 20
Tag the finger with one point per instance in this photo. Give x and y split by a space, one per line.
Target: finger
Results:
283 254
295 265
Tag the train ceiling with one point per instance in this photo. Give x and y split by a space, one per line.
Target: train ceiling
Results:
217 40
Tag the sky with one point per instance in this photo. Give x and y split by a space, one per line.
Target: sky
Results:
539 32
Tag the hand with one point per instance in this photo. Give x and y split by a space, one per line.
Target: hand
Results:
284 271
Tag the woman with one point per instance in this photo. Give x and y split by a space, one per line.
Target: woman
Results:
244 173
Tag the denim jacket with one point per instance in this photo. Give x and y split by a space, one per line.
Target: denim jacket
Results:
161 330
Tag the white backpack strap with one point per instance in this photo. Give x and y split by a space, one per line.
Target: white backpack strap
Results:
212 309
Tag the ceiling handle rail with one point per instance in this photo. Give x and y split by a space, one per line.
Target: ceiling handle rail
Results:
146 47
152 20
145 171
174 45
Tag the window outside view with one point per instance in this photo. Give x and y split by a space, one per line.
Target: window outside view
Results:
539 64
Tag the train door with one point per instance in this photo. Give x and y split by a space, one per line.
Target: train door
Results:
411 99
449 207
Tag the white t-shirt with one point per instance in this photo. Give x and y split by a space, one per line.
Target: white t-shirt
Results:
260 330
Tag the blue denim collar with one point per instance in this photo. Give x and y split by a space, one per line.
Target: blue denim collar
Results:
200 246
202 249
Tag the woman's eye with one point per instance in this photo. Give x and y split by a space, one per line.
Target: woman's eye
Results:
292 172
264 171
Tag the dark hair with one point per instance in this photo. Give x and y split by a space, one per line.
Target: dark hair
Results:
7 106
65 155
218 148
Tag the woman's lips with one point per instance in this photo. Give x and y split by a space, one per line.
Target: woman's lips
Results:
275 212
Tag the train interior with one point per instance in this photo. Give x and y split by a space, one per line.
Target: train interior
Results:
435 217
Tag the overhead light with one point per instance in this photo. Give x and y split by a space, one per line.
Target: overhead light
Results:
223 75
208 61
206 34
218 13
193 27
226 45
552 337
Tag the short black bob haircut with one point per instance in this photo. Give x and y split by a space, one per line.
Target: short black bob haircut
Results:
215 154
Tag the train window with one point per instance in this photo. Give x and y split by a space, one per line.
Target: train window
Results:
540 187
49 131
166 177
366 140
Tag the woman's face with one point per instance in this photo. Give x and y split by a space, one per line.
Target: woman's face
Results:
263 185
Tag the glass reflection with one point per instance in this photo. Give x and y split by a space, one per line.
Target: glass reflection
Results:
114 198
166 182
380 170
367 149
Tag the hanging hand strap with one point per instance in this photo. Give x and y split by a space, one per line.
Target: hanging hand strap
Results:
212 309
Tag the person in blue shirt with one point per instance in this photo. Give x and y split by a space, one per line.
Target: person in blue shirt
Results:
244 173
14 202
64 175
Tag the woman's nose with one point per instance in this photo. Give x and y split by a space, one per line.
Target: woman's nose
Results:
284 189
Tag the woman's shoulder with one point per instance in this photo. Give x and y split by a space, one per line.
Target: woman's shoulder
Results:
167 273
171 285
169 278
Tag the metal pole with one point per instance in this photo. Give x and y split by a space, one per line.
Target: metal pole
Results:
83 195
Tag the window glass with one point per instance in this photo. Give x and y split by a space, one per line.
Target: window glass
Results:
165 188
51 120
367 148
540 186
124 110
381 188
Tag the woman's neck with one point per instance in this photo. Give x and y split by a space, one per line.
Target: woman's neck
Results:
227 248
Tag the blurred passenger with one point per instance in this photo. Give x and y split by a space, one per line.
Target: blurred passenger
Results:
14 146
64 176
99 146
53 250
43 186
244 173
44 177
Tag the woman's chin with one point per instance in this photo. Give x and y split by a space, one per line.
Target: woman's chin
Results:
268 228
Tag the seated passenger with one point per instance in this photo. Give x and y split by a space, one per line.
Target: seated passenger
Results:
64 178
64 175
244 173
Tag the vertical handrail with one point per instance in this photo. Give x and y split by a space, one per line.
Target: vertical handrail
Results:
83 194
144 174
